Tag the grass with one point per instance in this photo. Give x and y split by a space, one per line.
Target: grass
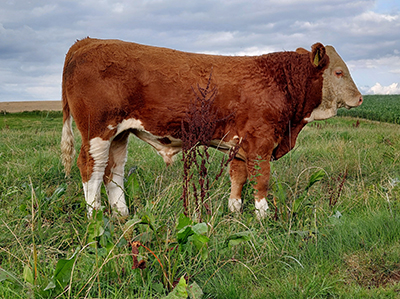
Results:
341 240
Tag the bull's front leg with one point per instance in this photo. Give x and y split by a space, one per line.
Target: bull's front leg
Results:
238 175
259 172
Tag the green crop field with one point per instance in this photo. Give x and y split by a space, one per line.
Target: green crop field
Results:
334 232
384 108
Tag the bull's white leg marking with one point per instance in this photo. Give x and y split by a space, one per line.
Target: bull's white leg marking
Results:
261 208
116 196
235 205
99 150
115 188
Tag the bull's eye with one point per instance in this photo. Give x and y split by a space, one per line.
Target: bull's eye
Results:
339 73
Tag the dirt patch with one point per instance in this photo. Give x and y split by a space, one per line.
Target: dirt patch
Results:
370 271
12 107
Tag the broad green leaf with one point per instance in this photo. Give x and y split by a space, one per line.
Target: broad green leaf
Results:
102 251
199 240
146 219
204 253
183 221
158 287
5 275
200 228
133 183
297 203
179 292
95 228
315 177
51 285
195 292
184 234
62 273
27 274
238 238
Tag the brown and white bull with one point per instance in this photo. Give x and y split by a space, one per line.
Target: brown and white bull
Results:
113 88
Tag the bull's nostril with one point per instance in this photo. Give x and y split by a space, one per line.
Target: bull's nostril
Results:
360 100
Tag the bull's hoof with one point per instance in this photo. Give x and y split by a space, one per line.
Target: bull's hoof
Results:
121 213
261 208
235 205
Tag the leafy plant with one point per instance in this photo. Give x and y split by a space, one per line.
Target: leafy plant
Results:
62 274
300 207
171 254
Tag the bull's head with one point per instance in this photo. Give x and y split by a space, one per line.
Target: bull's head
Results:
338 88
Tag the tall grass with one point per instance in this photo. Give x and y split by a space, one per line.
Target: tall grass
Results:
346 248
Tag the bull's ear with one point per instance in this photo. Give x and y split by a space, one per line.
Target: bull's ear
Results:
318 55
302 51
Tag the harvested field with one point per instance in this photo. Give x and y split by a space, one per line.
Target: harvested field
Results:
30 106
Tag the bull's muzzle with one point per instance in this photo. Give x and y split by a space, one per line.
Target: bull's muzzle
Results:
355 103
360 100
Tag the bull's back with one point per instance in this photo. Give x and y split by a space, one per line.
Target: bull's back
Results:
118 80
131 65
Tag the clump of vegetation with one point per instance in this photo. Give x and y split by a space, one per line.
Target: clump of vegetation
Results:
334 234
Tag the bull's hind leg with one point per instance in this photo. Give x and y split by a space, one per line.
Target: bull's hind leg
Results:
92 162
238 175
114 174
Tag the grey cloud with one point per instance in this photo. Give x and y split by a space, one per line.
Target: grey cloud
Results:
35 35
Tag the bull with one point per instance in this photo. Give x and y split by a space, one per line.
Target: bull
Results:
112 88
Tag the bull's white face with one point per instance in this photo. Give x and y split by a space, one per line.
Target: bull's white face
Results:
338 89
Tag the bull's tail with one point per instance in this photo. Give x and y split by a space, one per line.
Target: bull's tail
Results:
67 138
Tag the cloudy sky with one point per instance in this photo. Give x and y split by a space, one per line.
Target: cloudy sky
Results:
35 35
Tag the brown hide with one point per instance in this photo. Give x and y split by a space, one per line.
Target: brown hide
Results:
108 81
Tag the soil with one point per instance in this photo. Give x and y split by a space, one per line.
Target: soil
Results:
30 106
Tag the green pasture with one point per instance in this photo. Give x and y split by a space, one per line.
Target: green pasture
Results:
334 232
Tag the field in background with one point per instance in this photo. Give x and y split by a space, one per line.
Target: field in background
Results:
12 107
385 108
338 238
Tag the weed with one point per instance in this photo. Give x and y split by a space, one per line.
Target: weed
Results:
198 127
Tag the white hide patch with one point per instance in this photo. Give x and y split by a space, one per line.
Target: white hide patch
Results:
130 123
99 149
235 205
261 208
115 188
92 192
116 196
320 114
